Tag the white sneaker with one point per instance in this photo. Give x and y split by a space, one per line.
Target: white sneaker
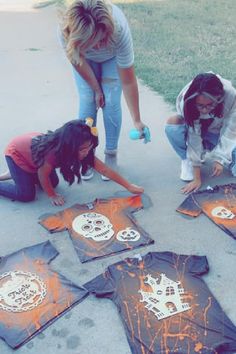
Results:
5 176
87 175
186 170
105 178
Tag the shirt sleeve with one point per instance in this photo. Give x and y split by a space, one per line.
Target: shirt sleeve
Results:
52 222
101 286
43 251
180 101
185 263
197 265
134 202
194 140
123 40
222 153
194 144
189 207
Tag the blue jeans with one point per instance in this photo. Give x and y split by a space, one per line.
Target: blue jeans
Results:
177 136
108 77
23 189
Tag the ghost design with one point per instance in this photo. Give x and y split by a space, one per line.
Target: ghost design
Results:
93 225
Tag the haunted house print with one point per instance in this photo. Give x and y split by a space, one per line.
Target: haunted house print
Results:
218 203
101 228
32 295
165 306
164 296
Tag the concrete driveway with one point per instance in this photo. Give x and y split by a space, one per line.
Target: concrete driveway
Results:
37 93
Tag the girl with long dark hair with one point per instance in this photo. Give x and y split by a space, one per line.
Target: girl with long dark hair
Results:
33 158
205 121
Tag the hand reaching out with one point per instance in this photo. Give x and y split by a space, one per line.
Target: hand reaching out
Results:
57 200
191 187
133 188
139 126
217 169
99 99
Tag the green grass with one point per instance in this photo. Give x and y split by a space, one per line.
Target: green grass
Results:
174 40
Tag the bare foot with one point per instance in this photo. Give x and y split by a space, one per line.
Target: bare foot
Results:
5 176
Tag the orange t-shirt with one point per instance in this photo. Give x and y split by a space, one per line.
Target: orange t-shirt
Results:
19 149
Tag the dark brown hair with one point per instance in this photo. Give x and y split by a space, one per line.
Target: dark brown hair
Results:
203 83
65 141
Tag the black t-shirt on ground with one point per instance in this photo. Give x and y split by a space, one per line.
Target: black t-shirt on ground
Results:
218 203
32 295
101 228
165 306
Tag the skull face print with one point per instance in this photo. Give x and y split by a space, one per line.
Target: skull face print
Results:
93 225
128 235
222 213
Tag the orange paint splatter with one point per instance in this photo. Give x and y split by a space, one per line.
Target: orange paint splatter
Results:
198 347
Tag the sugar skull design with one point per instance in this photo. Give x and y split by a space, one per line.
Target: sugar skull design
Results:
21 291
164 299
93 225
222 213
128 235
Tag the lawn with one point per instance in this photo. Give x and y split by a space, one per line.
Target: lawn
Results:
174 40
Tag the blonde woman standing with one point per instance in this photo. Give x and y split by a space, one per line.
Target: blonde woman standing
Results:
98 44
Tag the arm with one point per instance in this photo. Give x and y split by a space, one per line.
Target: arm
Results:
222 153
194 144
44 178
217 169
85 70
130 89
100 167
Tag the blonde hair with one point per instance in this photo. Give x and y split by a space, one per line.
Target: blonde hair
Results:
86 22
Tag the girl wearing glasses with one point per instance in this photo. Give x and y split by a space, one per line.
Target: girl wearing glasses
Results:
205 121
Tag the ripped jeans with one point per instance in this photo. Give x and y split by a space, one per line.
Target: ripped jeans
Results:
177 135
108 77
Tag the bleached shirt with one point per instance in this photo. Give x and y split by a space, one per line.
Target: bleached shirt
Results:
32 293
225 127
216 203
100 228
165 306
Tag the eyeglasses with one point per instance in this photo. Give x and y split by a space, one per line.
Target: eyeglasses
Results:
206 106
